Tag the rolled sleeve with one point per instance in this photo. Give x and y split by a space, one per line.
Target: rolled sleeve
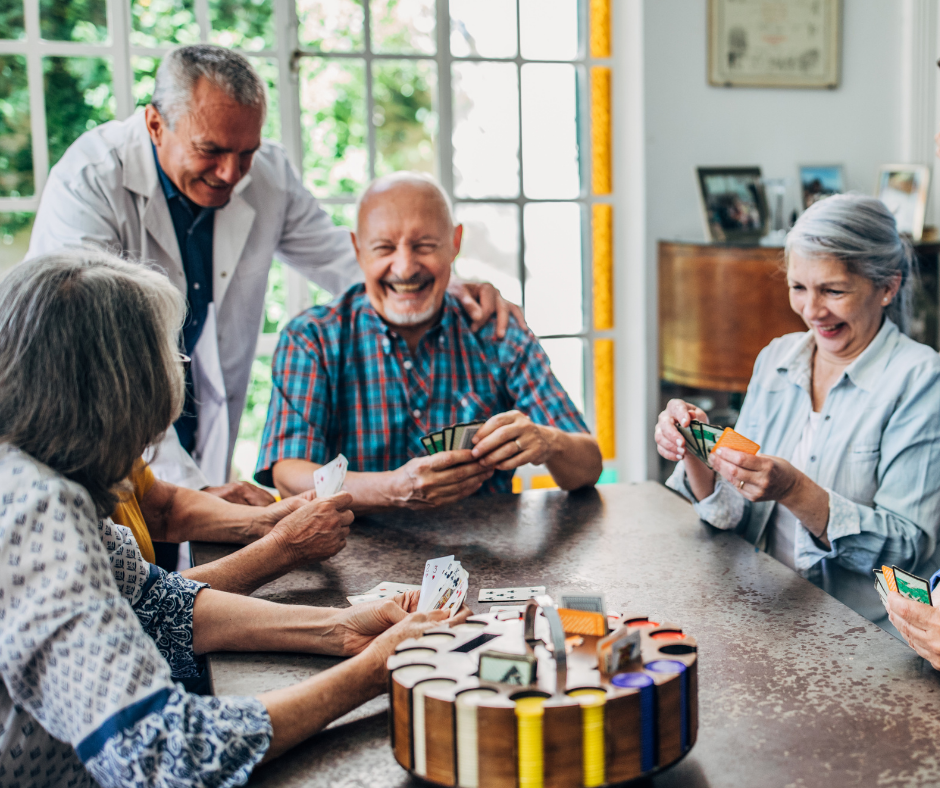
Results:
725 508
299 411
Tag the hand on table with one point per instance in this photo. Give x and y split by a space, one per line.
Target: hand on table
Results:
442 478
480 300
510 440
242 493
669 441
313 530
919 625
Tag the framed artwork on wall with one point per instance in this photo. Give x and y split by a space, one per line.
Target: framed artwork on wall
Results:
757 43
820 180
903 188
733 203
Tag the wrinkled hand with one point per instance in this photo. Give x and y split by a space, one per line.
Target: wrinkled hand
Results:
413 625
496 442
919 625
357 626
756 477
445 477
241 492
669 441
480 300
316 530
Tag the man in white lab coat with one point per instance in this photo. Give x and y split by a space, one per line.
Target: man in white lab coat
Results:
190 187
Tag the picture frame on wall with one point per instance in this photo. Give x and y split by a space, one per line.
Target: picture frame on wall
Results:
755 43
734 206
903 188
820 180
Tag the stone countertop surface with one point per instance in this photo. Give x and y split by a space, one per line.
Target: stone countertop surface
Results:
795 688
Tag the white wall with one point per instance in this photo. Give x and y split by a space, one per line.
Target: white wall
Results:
668 120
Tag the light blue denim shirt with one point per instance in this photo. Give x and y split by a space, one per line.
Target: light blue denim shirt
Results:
876 452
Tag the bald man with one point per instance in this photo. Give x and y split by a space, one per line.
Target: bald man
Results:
394 359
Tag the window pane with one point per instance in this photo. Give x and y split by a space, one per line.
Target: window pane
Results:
156 22
78 98
550 132
252 424
483 28
333 116
11 19
14 238
486 130
244 24
567 357
405 121
74 20
549 29
16 149
145 72
489 250
272 123
403 26
343 215
553 268
331 25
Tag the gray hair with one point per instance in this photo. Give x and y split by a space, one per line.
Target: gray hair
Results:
182 68
90 373
414 178
860 232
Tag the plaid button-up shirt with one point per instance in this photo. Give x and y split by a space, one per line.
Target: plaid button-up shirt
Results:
346 382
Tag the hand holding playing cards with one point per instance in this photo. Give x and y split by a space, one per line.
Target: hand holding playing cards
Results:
316 530
919 625
510 440
669 441
241 493
411 625
442 478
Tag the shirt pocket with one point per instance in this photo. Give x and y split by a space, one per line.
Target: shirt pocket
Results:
859 475
472 407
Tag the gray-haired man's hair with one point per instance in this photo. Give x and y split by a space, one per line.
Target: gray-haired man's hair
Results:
861 232
90 373
422 179
183 67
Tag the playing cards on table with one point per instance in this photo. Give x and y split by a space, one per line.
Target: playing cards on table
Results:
457 436
328 479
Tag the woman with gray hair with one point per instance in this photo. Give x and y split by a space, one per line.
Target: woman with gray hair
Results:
846 415
94 638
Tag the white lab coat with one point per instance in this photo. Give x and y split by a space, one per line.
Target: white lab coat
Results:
105 190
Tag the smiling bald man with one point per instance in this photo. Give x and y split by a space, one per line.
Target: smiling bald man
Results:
394 358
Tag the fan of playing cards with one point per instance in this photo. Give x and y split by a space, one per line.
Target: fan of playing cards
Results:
444 587
328 479
457 436
703 439
890 578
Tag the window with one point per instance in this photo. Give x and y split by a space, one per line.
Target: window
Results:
506 102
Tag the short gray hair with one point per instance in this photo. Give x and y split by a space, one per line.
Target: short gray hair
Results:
413 177
90 373
862 233
182 68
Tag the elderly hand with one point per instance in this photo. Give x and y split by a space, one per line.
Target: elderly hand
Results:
241 492
316 530
756 477
480 300
919 625
412 625
510 440
669 441
442 478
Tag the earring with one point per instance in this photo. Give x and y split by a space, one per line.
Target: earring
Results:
885 301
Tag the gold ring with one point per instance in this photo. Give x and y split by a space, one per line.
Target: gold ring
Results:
516 441
741 484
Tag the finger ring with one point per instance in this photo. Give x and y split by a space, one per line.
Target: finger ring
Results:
516 441
741 484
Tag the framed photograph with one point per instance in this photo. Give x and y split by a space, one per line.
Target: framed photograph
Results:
903 188
820 180
733 203
756 43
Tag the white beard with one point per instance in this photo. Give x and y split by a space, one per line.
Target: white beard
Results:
410 318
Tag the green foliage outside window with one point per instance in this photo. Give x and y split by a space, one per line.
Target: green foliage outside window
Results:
78 98
11 19
74 20
16 149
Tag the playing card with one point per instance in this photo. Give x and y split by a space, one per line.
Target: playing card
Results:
429 583
428 444
912 586
520 609
444 596
437 438
889 578
381 591
882 593
328 479
448 438
691 441
591 603
518 594
734 440
707 436
463 437
880 580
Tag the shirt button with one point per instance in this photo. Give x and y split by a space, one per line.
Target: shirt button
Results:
440 341
386 345
463 402
813 458
195 285
224 274
416 413
828 417
407 365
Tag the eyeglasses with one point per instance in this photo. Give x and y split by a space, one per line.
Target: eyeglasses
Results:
184 360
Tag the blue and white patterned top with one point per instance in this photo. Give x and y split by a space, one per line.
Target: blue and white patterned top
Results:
876 452
91 638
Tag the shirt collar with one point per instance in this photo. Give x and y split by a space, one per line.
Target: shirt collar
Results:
450 312
169 188
865 371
